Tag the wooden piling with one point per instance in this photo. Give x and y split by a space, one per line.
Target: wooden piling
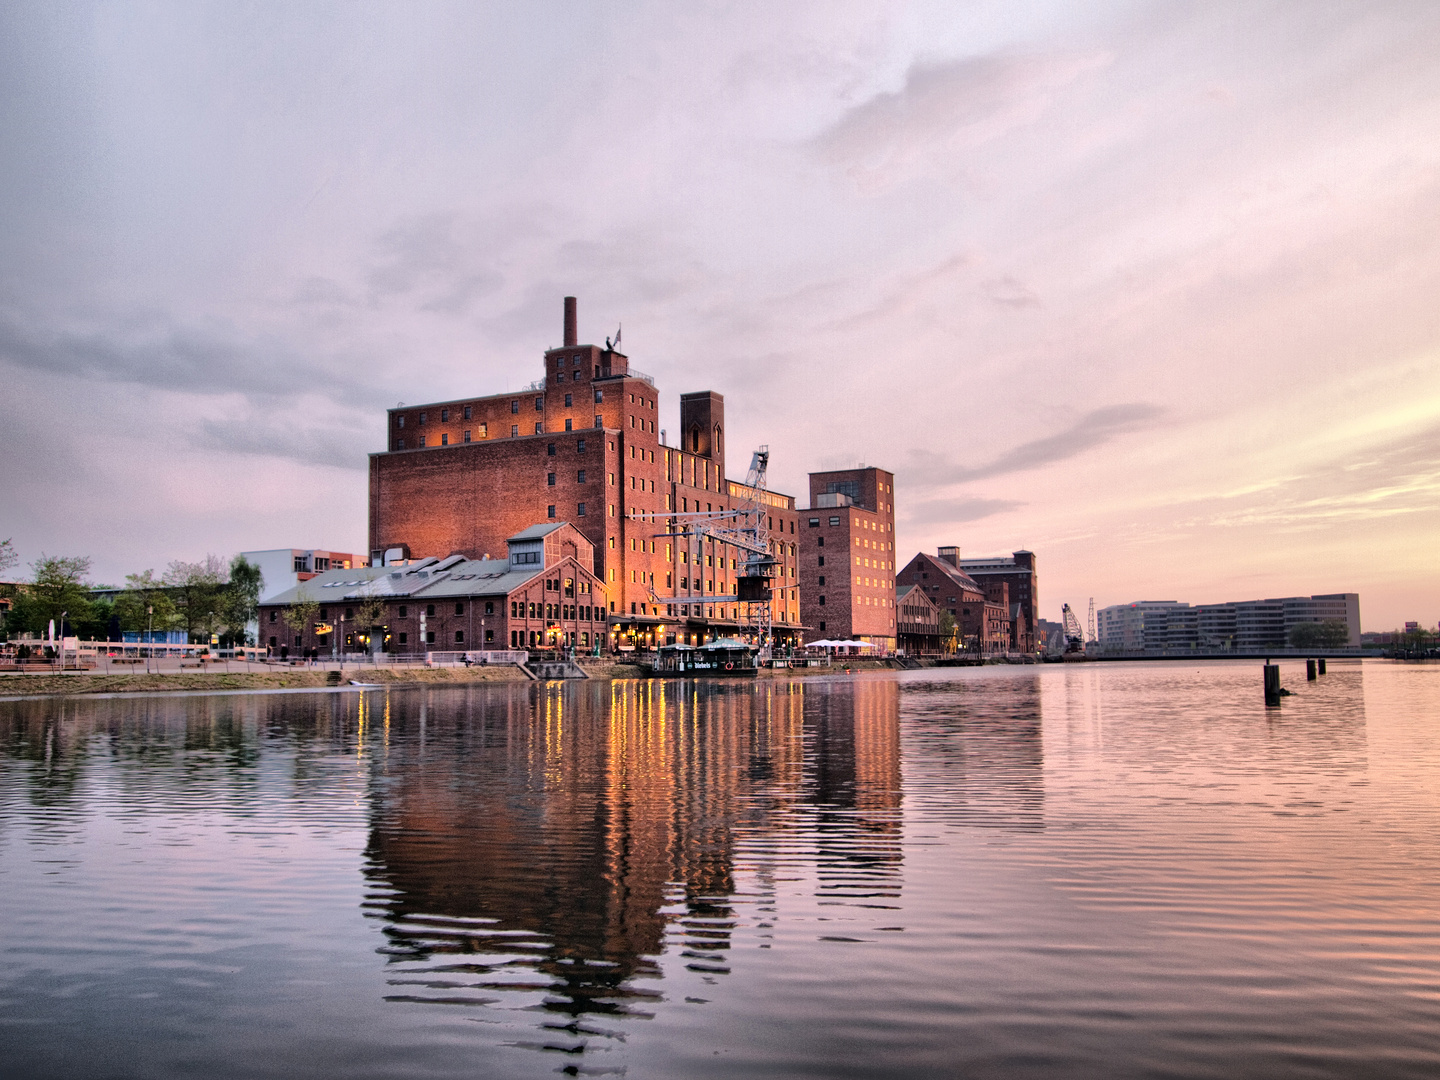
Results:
1272 684
1310 670
1321 663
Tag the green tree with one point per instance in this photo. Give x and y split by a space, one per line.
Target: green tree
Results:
948 628
242 597
57 588
197 589
301 615
144 604
1330 634
8 557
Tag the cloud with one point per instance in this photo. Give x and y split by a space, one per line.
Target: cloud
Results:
946 511
1008 292
1090 431
947 109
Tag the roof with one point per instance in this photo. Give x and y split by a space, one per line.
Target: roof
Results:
468 577
956 576
535 532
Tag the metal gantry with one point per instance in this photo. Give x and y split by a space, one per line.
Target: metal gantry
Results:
744 528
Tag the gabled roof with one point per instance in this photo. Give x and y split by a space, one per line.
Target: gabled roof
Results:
965 581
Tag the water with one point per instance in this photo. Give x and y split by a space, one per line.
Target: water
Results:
1099 870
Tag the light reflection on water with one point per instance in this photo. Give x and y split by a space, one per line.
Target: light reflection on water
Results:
1126 870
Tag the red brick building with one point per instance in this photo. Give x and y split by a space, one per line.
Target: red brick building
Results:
983 621
847 558
541 594
1018 573
582 444
917 623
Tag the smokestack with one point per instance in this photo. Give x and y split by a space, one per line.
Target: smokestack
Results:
571 337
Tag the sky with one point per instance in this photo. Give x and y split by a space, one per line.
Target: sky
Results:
1152 290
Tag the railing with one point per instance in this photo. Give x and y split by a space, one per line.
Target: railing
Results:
478 656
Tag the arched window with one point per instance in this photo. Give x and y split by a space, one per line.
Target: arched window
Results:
695 439
715 446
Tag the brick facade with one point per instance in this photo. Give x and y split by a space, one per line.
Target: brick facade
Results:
847 557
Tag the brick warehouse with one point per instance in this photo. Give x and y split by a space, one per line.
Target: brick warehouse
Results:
542 593
982 615
847 587
581 445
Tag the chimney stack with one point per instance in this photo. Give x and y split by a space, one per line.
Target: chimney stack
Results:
950 554
572 338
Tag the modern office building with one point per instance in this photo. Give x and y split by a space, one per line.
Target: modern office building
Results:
1244 625
583 444
282 569
847 557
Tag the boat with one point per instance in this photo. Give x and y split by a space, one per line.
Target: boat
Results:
727 657
366 685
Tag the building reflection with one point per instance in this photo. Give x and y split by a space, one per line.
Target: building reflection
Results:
545 850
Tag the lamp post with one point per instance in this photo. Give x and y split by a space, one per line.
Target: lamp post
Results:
61 652
149 634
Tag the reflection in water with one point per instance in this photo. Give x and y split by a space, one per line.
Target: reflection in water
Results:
544 853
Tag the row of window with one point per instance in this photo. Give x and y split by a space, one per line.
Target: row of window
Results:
531 609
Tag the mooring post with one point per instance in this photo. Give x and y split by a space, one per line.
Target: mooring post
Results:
1310 670
1321 664
1272 683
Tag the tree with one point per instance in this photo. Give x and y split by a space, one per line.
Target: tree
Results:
197 590
369 616
144 604
947 632
8 557
242 596
58 588
1330 634
301 615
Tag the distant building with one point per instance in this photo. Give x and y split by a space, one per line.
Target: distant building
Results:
543 594
1017 572
1245 625
284 568
847 557
982 621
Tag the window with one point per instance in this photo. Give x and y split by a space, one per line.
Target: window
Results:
550 479
568 401
399 444
599 396
484 431
569 424
403 611
822 601
820 542
580 510
580 476
599 422
422 440
550 511
489 607
822 560
612 479
429 637
834 521
538 427
515 405
459 609
579 446
404 638
422 417
822 579
467 412
814 523
550 449
467 434
539 404
444 438
559 375
272 616
400 421
444 416
430 610
459 636
514 430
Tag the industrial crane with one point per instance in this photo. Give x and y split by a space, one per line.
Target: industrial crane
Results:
1074 636
743 527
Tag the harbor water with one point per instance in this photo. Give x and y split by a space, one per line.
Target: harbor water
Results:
1120 870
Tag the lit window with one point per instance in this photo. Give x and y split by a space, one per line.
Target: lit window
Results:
484 431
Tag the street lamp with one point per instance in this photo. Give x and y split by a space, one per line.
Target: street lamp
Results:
62 641
149 634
